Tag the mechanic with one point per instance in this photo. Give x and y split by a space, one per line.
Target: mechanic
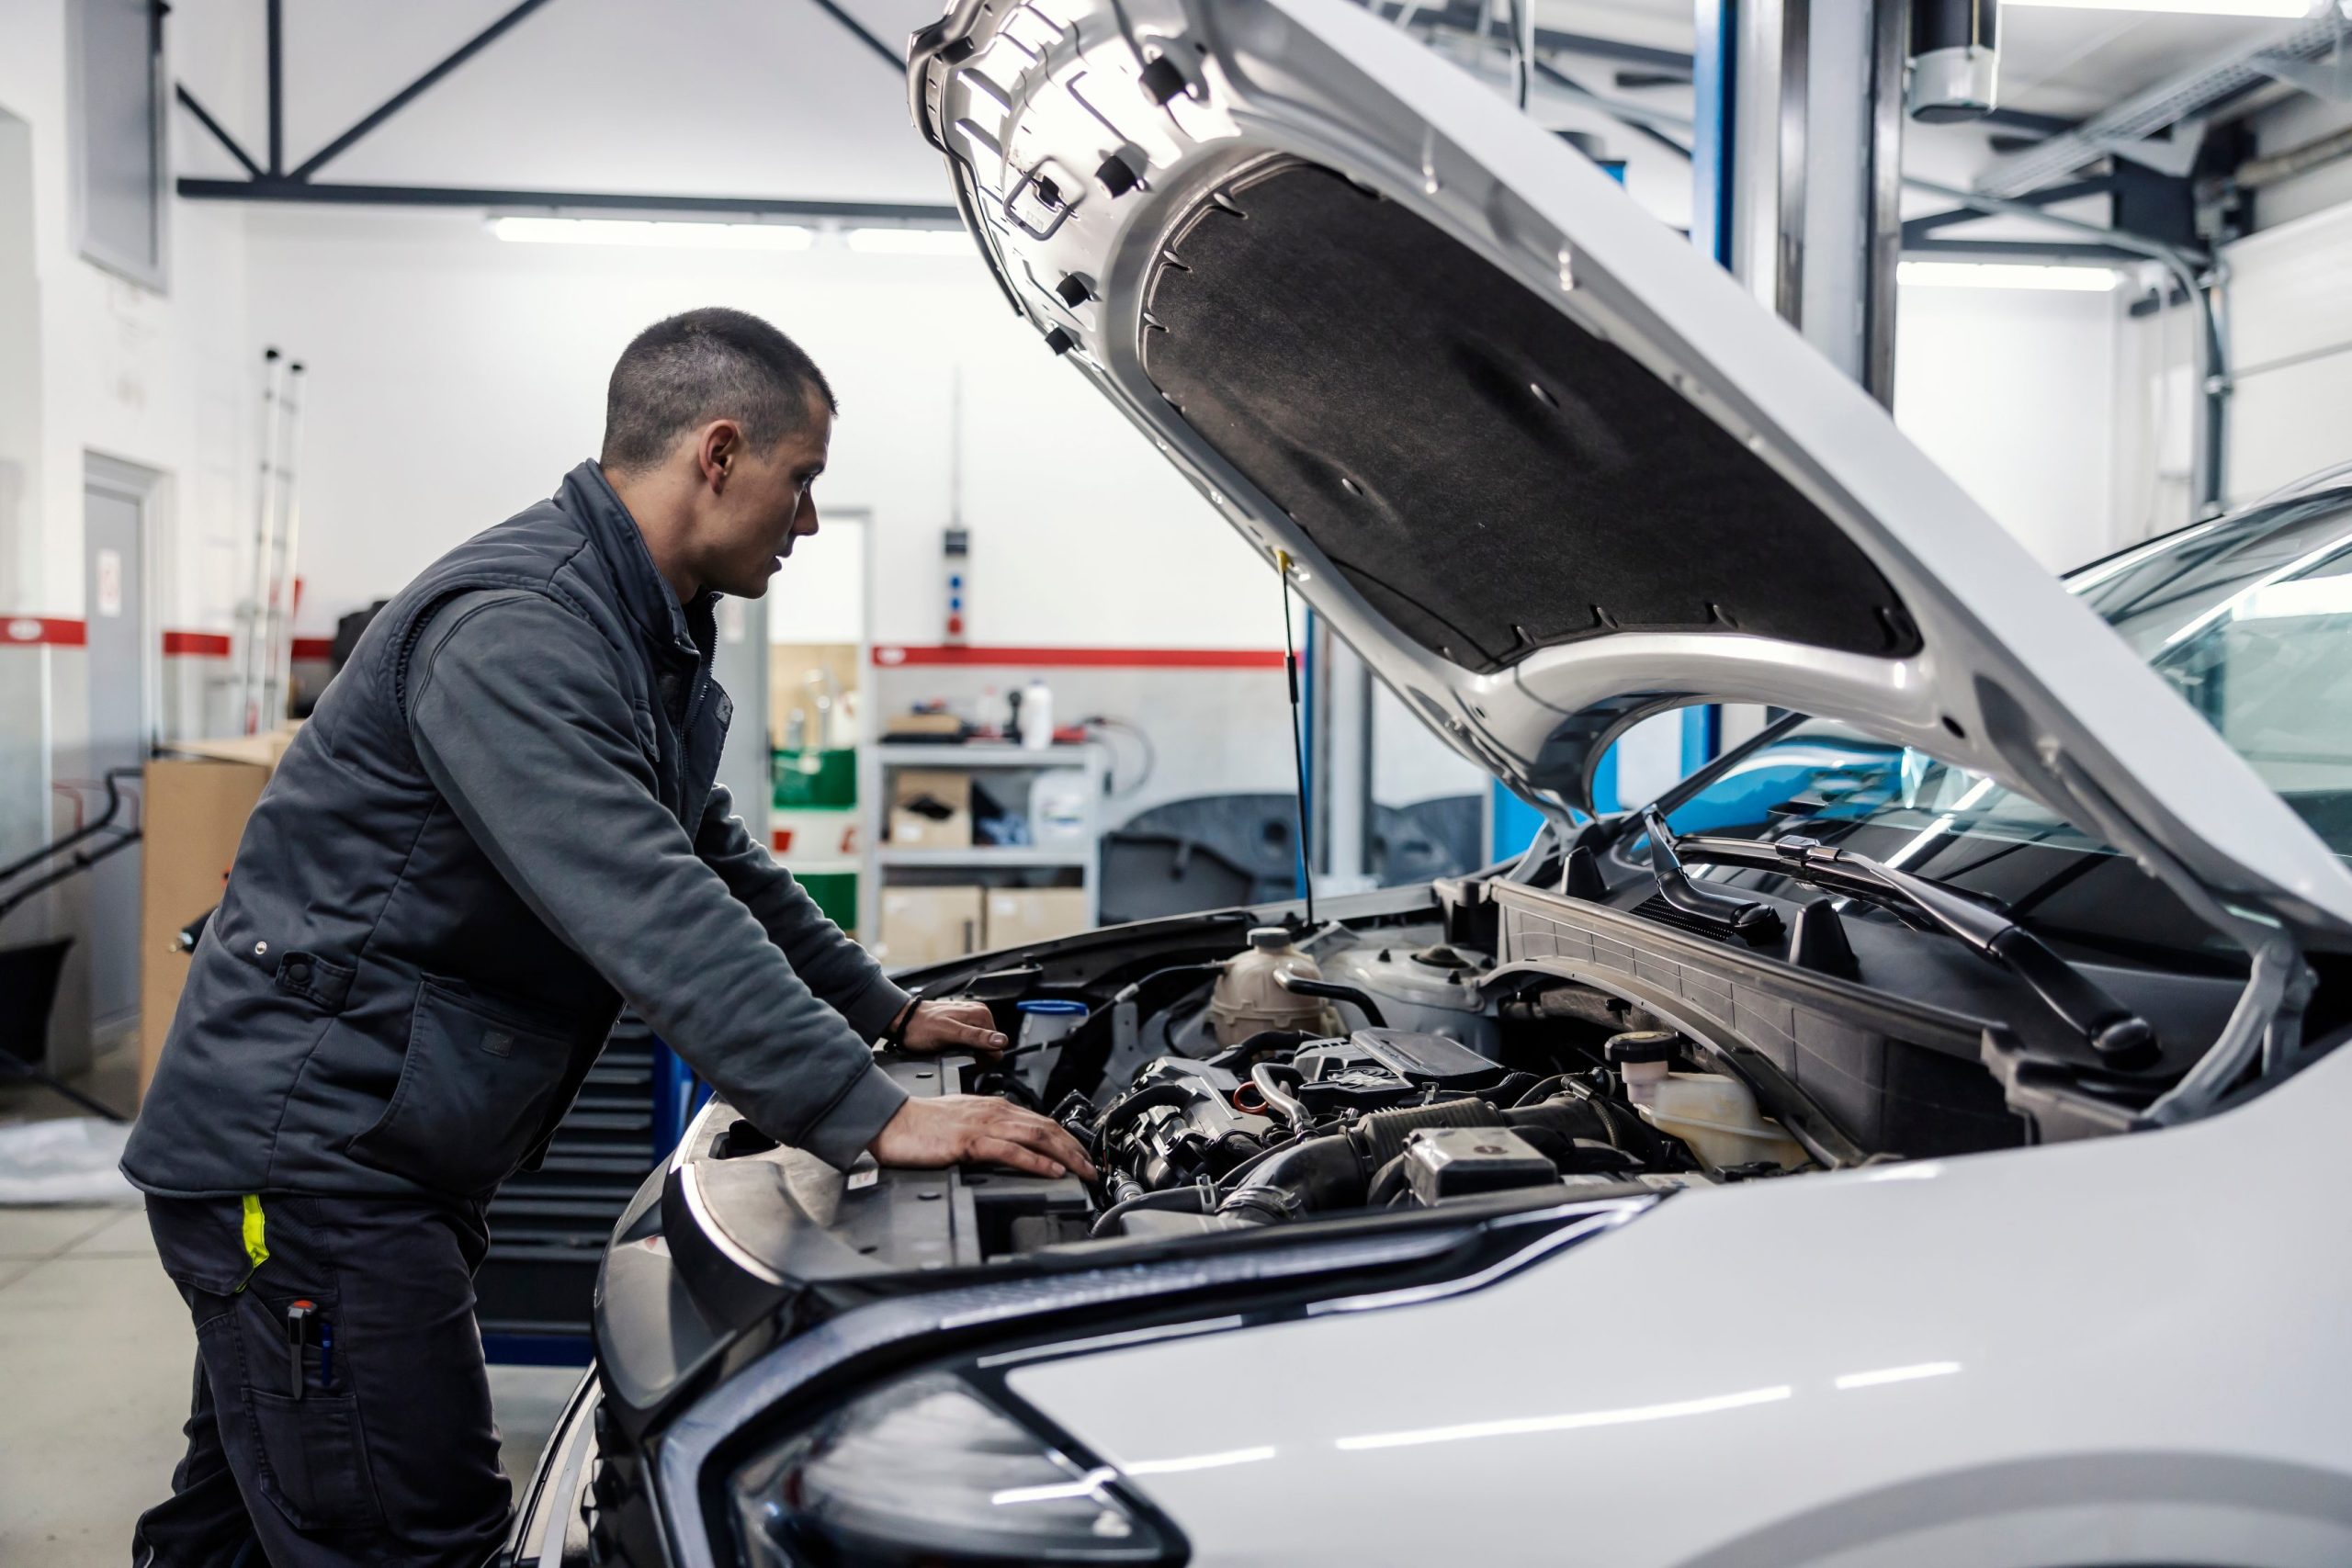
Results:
500 826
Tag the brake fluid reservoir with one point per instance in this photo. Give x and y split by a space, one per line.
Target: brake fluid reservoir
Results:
1716 1116
1248 999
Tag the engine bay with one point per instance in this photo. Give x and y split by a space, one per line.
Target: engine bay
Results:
1478 1042
1288 1094
1278 1129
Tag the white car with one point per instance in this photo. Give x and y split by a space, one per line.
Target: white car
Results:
1915 1141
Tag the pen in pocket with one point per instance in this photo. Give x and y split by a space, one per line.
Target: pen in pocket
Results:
298 1317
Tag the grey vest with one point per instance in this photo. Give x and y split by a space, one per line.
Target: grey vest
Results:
373 1008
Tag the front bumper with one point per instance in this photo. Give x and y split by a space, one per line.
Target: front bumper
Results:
558 1516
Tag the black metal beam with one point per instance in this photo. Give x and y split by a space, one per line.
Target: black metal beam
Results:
2018 250
187 101
392 105
1918 228
2026 119
276 26
285 189
1558 78
1610 48
893 58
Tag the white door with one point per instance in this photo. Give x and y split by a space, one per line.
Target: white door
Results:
114 522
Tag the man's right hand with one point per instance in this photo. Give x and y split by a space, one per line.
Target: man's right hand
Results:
928 1134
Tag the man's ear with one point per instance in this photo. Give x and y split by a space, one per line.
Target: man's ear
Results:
720 448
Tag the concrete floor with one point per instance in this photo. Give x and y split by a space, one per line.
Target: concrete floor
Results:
96 1359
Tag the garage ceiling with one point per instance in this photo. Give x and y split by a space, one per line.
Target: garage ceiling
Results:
721 97
777 98
2054 60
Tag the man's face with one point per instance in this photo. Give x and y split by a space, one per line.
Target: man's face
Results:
766 502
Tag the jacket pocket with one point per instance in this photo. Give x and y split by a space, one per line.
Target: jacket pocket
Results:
314 1459
475 1085
316 978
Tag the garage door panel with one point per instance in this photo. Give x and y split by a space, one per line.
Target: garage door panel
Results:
2287 293
2286 422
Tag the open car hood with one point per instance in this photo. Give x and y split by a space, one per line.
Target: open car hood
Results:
1546 467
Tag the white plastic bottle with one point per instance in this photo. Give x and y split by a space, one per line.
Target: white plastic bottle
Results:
1036 715
1059 816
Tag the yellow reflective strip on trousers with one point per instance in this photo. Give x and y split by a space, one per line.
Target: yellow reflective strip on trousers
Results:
256 1237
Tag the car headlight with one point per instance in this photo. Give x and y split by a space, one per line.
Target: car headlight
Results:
926 1471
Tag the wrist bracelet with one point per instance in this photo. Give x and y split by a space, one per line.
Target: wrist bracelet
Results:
896 1034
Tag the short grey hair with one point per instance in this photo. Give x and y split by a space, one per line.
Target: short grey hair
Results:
682 373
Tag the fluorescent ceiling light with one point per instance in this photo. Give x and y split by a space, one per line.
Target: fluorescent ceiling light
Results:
632 231
2183 8
2005 275
910 242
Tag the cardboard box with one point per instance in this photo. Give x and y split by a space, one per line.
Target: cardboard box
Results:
931 808
927 925
260 750
195 813
1021 915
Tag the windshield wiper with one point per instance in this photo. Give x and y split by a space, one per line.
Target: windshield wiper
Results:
1724 913
2118 1036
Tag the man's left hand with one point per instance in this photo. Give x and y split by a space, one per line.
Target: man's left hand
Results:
953 1025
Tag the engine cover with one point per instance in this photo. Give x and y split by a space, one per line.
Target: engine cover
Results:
1373 1069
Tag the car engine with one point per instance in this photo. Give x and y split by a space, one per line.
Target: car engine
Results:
1279 1129
1557 1087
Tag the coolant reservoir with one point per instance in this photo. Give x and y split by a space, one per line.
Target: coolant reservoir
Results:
1716 1116
1248 999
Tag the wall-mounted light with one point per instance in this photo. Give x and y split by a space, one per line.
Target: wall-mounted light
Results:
713 236
2005 275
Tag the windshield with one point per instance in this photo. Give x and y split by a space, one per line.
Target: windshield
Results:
2246 619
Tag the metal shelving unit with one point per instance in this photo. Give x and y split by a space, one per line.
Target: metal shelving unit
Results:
878 760
986 855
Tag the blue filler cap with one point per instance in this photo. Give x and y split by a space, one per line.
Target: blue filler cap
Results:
1053 1009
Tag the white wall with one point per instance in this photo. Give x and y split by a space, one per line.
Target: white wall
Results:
455 378
153 378
2011 390
90 363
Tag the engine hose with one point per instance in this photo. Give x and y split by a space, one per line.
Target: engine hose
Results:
1194 1198
1234 1059
1306 1178
1622 1126
1544 1090
1386 1182
1382 1134
1136 1104
1225 1182
1267 1076
1328 1171
1363 1165
1510 1089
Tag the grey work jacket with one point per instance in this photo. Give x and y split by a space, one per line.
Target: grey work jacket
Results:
500 824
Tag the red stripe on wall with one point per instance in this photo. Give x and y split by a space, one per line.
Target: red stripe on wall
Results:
34 630
196 645
892 655
318 647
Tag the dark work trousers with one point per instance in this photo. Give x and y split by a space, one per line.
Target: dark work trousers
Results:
388 1455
